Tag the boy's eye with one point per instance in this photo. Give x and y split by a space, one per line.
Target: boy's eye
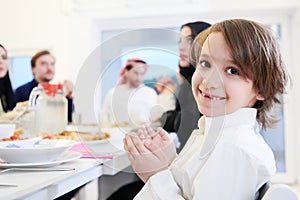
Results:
232 71
204 64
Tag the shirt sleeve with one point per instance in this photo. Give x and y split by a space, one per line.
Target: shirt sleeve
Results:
160 186
228 174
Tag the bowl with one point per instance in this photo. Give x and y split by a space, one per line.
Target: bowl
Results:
33 150
7 130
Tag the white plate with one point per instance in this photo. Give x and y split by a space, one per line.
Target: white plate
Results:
33 150
66 157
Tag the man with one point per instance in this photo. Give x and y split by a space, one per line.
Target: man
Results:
130 103
43 70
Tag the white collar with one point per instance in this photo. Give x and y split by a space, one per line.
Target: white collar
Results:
213 126
239 117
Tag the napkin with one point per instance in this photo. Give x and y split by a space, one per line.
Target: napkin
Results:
87 152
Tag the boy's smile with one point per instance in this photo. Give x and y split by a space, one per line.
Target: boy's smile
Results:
211 97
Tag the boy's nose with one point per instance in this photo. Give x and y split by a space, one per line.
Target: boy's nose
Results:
213 79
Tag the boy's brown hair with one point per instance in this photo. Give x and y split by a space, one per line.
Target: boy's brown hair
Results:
256 52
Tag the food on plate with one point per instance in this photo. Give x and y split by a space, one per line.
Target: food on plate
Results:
16 136
18 131
12 138
22 104
20 108
78 136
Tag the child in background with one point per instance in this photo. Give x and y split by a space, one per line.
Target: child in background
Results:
239 75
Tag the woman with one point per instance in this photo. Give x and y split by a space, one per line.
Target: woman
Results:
6 92
184 118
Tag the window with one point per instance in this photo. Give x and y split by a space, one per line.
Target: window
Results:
158 47
20 70
275 136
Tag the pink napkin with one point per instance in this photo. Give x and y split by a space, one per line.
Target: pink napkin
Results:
87 152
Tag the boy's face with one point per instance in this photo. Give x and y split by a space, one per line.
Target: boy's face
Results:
217 84
44 69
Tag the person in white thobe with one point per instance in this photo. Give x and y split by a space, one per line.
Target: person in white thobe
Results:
231 161
130 103
129 106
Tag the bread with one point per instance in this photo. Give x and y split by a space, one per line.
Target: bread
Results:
78 136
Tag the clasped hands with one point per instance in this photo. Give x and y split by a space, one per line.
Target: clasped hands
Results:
149 151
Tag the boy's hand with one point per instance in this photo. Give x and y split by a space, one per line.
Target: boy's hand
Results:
149 155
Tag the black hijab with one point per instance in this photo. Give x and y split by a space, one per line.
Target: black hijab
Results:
6 93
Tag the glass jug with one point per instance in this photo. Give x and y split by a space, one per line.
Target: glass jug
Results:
50 108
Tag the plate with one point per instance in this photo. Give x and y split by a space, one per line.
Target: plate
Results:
66 157
35 150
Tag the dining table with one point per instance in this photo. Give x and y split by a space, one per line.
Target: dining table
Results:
104 158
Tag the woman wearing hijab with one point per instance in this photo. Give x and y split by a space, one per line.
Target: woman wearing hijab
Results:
184 119
6 92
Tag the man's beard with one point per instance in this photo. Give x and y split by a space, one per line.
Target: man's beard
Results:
46 79
133 84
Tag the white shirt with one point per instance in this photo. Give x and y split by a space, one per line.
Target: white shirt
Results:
129 106
227 159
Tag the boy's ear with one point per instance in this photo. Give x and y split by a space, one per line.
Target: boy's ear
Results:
260 97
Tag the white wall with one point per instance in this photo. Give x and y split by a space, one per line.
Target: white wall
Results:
29 26
72 32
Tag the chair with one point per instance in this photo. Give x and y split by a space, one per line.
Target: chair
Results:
276 192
